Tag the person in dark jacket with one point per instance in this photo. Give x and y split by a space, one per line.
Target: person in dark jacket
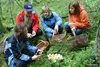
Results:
18 51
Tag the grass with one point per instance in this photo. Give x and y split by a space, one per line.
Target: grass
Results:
2 62
72 58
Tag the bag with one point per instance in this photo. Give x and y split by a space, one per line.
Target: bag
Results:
78 41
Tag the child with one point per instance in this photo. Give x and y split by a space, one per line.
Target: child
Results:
51 22
18 50
78 19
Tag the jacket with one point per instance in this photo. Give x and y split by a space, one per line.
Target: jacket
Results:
14 50
49 24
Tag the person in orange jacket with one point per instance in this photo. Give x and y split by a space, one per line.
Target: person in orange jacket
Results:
30 18
78 19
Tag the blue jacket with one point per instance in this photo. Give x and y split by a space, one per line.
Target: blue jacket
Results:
15 50
49 24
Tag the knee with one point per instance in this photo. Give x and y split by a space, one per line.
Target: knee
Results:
78 31
39 32
66 26
60 29
21 64
49 35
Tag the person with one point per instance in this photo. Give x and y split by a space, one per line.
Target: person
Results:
51 22
18 51
30 18
78 19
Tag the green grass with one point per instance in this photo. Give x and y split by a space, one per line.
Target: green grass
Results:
72 58
2 62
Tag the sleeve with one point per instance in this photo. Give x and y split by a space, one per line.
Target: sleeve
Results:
84 20
35 25
30 48
18 19
45 27
18 55
58 19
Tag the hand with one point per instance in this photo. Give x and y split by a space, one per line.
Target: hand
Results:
71 24
54 32
39 52
56 28
29 35
33 33
73 31
35 57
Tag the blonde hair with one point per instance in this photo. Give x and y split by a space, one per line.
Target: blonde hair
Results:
45 8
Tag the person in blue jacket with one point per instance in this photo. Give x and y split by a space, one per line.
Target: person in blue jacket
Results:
51 22
18 51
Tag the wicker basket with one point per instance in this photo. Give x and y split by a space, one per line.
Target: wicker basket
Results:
78 41
42 45
57 38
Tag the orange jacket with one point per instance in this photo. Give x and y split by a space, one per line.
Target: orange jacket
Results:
81 20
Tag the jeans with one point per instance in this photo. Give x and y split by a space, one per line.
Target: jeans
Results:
20 63
77 32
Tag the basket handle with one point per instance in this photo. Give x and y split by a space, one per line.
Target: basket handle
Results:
43 41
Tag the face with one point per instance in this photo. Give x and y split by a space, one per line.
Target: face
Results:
72 9
28 13
45 12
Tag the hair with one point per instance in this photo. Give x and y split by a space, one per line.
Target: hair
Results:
45 8
20 28
76 5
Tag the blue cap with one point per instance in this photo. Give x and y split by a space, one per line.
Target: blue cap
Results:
28 7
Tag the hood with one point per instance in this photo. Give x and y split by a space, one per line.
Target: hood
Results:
81 8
